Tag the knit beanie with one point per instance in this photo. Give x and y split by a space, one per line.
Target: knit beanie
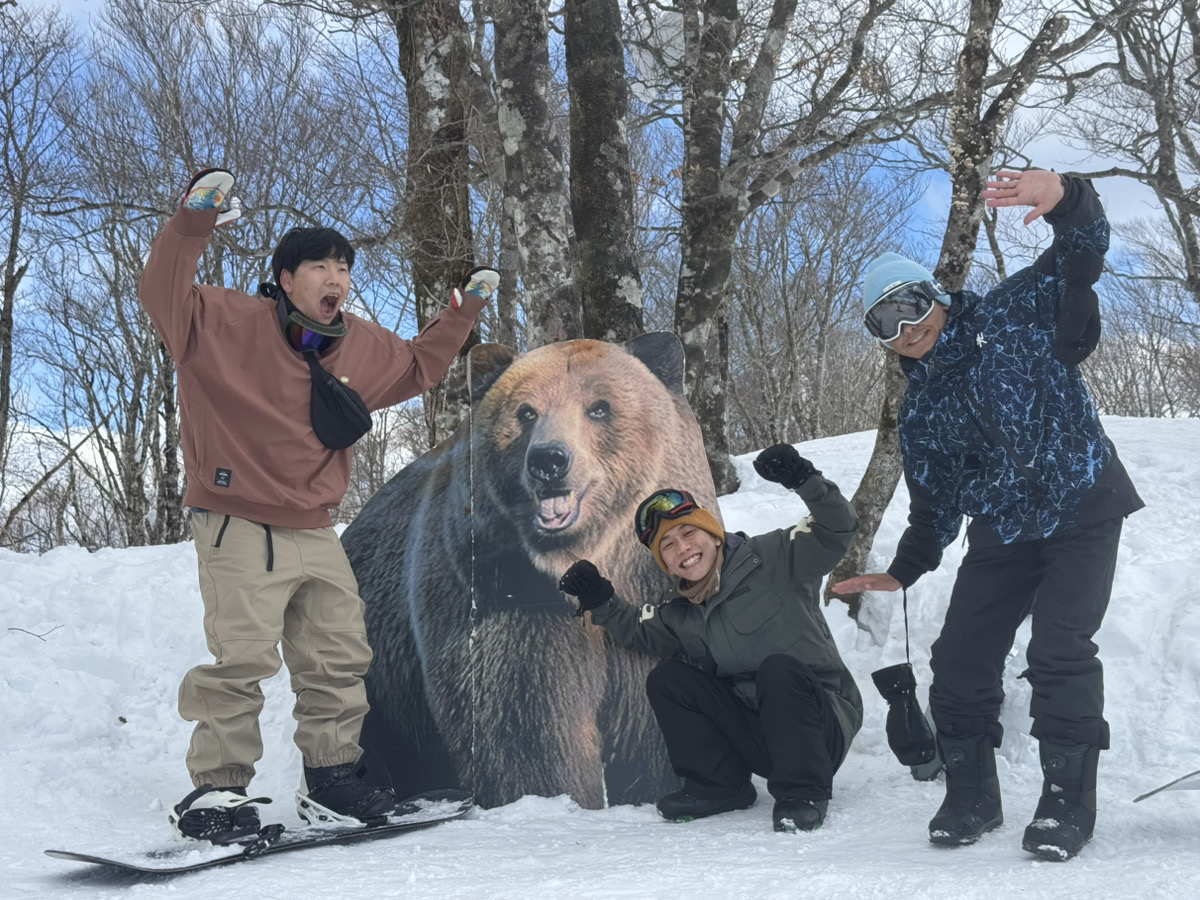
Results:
892 270
699 517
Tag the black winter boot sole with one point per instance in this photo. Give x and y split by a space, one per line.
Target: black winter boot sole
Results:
967 831
683 807
1053 841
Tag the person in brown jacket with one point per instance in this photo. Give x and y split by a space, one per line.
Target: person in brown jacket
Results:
273 391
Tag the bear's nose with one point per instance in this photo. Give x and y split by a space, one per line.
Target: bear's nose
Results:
548 462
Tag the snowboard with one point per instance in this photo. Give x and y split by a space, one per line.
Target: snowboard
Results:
1188 782
419 811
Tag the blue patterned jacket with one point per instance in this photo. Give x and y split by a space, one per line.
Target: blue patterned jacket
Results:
993 425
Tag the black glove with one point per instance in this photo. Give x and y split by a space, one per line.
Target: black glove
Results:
908 731
1078 325
584 581
783 465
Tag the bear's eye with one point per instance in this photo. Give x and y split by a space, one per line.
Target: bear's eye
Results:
600 410
526 414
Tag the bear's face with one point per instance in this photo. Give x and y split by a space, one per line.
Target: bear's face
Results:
576 434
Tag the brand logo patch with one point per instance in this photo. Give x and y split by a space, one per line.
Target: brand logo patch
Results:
224 476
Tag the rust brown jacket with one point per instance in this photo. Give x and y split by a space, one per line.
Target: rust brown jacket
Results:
248 443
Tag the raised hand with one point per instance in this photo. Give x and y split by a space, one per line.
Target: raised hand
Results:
480 282
783 465
208 190
1038 188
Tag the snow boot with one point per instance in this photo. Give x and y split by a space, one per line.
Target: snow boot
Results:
1066 812
337 795
683 807
972 804
792 815
218 815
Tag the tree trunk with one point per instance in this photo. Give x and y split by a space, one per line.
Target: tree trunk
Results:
878 483
709 221
601 179
434 55
535 184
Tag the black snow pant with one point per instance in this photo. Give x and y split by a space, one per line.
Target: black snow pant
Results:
715 740
1064 582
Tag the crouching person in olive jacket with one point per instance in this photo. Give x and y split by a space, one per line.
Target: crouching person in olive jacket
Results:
755 683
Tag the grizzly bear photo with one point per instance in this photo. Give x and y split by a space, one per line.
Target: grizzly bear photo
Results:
483 677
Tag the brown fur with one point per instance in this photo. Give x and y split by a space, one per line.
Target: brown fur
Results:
470 540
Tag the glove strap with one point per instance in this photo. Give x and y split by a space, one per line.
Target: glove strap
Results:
907 657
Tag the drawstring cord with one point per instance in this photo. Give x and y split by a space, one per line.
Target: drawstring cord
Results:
270 549
907 658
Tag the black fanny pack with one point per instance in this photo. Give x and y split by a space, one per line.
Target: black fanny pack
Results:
339 416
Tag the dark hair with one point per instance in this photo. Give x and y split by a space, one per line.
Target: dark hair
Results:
302 244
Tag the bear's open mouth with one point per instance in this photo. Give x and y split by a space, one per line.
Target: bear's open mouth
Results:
557 511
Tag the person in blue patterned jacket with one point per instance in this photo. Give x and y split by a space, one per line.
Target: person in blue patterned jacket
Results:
997 425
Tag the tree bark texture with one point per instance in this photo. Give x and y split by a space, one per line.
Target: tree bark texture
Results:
709 221
434 56
535 182
601 178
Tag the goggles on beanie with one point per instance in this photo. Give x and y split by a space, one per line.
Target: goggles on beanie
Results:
660 506
906 304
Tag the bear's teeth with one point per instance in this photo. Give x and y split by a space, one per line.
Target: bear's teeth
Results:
554 510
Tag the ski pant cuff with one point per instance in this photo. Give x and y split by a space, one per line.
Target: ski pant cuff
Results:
1093 732
226 777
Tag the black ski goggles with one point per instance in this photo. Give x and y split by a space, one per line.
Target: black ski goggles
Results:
907 304
668 504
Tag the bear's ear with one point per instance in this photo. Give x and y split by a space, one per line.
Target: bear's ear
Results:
486 363
662 352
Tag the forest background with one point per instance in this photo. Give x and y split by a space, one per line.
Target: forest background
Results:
720 169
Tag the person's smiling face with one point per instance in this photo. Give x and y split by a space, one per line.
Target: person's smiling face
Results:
917 340
689 552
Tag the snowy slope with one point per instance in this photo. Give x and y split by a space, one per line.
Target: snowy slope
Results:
92 749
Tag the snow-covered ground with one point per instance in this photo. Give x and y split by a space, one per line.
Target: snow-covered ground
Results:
91 754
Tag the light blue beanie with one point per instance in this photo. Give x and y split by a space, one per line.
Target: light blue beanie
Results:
888 271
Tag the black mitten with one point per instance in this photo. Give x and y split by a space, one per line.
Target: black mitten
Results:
1078 323
584 582
908 731
783 465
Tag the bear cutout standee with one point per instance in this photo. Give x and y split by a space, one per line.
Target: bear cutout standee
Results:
483 679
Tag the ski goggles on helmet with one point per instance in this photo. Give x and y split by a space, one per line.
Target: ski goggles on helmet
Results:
906 304
661 505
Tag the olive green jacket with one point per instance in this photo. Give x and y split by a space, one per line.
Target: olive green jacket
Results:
769 602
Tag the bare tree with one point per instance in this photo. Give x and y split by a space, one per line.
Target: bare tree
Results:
535 182
601 174
434 54
1145 113
39 58
797 347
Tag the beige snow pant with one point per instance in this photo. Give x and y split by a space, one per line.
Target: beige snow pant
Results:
262 588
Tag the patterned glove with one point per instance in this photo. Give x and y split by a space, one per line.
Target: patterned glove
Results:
208 190
783 465
584 581
480 282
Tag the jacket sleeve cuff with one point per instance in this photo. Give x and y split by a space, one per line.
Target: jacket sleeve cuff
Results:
905 572
1079 206
194 223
